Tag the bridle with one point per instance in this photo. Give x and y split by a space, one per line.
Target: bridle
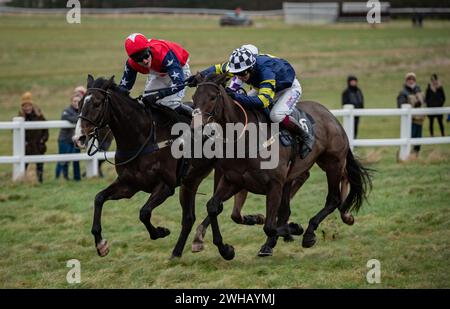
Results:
106 106
213 113
97 126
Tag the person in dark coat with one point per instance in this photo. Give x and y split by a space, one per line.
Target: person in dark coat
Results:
412 94
65 144
34 139
435 97
353 95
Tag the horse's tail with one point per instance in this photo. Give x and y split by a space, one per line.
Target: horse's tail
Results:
360 179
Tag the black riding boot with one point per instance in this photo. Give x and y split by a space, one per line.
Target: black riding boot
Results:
184 110
295 127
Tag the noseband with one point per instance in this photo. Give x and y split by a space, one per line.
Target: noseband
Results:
98 126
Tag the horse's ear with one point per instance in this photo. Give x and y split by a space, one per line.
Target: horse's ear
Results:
108 83
222 80
90 81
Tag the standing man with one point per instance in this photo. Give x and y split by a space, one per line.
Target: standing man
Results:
353 95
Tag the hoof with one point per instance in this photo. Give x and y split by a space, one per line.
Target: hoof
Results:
103 248
265 251
308 240
260 219
348 218
227 252
174 257
295 229
197 247
253 219
161 232
288 238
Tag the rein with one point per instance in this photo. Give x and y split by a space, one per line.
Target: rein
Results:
212 115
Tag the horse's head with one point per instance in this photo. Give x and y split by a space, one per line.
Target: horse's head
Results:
209 100
93 108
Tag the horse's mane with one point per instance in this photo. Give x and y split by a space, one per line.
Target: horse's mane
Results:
219 79
101 82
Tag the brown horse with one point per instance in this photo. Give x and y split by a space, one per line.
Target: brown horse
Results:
142 163
331 152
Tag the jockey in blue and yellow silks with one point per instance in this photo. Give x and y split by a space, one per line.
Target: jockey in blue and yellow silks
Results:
275 87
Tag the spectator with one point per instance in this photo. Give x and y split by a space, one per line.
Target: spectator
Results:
80 90
411 94
353 95
435 97
34 139
65 143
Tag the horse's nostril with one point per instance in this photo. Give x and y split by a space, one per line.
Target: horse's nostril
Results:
82 139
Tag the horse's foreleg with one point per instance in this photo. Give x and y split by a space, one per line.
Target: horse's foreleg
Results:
115 191
161 192
333 201
224 191
187 200
283 214
197 243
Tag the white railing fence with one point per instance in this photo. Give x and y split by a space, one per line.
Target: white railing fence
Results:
19 159
405 141
348 113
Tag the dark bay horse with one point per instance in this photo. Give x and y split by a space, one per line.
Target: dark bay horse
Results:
149 167
348 181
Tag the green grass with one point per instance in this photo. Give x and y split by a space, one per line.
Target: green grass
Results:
405 226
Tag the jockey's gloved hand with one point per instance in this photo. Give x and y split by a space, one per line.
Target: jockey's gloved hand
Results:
230 92
193 80
124 91
150 99
241 91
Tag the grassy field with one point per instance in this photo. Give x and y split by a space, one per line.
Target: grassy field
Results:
405 226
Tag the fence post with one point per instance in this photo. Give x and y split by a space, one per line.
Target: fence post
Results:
405 132
92 165
19 149
349 123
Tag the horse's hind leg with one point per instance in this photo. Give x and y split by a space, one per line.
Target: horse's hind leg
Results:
346 216
334 173
115 191
161 192
239 200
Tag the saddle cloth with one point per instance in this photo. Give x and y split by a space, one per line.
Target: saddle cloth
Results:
307 122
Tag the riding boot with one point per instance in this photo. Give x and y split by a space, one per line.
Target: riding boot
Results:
185 110
295 127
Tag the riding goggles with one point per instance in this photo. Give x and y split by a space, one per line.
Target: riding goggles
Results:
140 56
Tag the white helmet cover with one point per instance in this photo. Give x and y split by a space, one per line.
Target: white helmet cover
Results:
241 59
